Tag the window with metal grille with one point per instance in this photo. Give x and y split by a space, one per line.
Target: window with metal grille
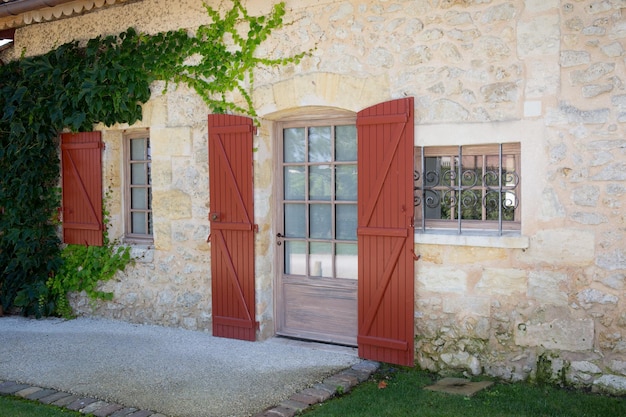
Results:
138 185
468 188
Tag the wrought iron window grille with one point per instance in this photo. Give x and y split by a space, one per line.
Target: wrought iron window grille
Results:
451 195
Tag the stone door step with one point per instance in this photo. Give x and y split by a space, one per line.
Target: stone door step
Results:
459 386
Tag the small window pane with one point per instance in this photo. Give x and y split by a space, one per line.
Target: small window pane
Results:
138 223
346 183
295 220
345 143
320 221
294 183
138 174
320 149
346 261
320 182
321 259
293 144
139 198
471 205
346 219
295 258
138 149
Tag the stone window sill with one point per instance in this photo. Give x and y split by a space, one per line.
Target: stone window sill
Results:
508 240
141 253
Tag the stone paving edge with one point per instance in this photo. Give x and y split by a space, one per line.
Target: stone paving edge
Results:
339 383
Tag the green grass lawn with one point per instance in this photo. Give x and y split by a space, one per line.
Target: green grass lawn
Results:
17 407
404 396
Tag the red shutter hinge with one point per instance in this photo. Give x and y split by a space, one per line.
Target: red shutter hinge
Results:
255 227
208 239
416 257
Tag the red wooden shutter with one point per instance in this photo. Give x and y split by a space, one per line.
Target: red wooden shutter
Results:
81 159
385 232
232 228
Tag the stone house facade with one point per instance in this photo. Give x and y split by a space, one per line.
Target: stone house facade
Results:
541 82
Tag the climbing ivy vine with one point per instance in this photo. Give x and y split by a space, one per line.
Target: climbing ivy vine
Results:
105 80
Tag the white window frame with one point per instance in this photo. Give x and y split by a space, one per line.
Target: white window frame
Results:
129 235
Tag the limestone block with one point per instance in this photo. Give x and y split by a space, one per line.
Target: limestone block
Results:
561 247
573 58
445 110
161 173
430 35
612 172
154 112
591 296
551 207
546 287
616 189
576 115
575 24
462 360
594 31
441 279
465 305
185 107
500 92
592 73
584 366
539 36
589 218
500 12
455 18
380 58
610 384
162 235
561 334
503 281
617 282
598 7
170 141
171 204
417 55
613 260
619 29
492 49
542 78
613 49
473 255
619 367
586 195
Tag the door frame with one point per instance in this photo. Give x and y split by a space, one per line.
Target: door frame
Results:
310 115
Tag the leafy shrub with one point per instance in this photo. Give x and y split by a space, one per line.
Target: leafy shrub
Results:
105 81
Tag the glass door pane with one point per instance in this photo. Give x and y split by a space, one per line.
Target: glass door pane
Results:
319 202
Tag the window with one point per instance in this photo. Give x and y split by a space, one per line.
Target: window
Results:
319 200
468 188
138 185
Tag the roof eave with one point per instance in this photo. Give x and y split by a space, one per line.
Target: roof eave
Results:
17 7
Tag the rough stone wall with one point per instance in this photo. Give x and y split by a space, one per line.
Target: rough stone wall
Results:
547 74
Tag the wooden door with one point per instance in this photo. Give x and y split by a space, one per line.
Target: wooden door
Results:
385 232
317 242
232 226
81 160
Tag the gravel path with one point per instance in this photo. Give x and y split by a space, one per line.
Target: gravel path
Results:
173 371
